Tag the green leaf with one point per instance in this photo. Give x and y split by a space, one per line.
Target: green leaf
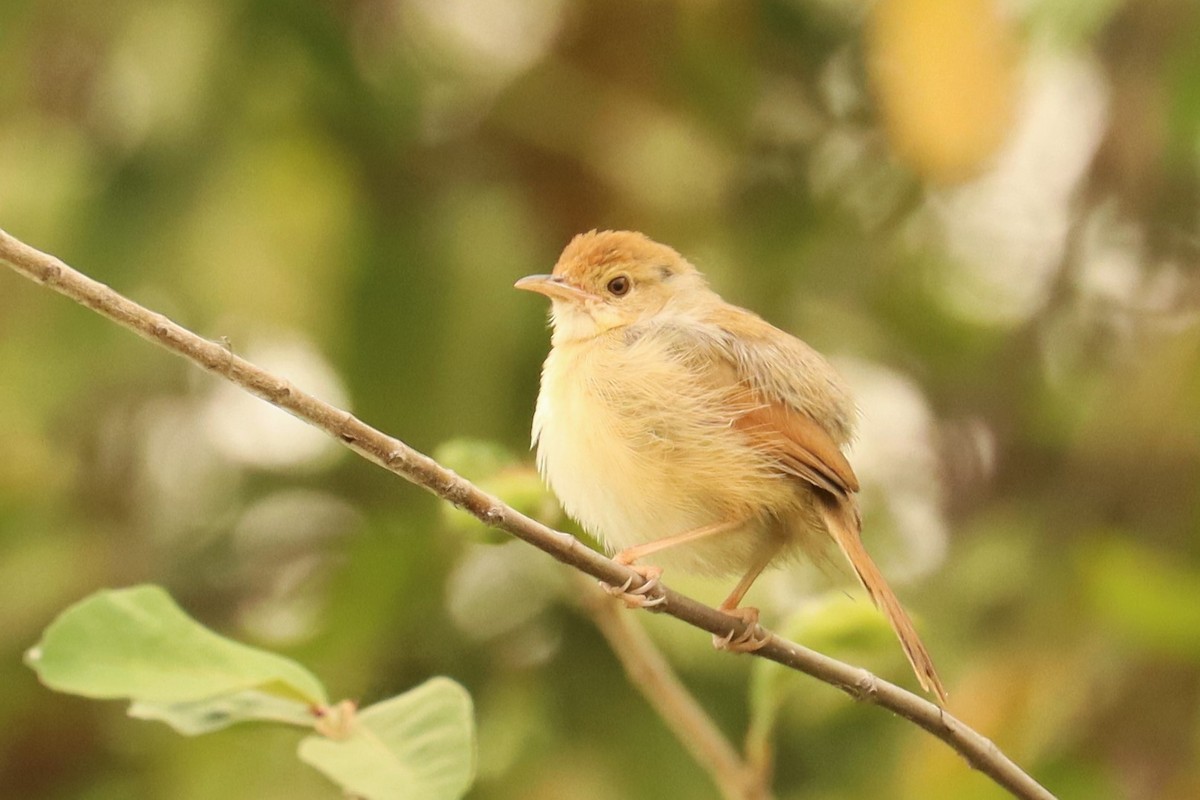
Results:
136 643
419 746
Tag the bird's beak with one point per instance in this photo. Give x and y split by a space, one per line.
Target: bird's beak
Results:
553 287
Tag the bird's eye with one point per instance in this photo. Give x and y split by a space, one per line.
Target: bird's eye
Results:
619 285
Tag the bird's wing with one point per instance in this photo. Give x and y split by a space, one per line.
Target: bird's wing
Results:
787 398
798 442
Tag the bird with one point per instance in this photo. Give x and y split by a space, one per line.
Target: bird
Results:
672 424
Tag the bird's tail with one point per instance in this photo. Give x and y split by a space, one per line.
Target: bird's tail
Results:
842 519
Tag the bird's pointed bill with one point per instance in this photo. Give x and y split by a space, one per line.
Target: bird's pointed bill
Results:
553 287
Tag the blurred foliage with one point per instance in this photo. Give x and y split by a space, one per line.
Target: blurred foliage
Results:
997 239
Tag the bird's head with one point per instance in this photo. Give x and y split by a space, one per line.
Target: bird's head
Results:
609 279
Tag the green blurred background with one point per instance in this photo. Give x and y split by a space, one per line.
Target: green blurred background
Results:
985 212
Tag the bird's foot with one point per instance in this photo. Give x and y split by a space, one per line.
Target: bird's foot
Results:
638 597
750 639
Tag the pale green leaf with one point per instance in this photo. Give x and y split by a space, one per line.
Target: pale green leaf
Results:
419 746
136 643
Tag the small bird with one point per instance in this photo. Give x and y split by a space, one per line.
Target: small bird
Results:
672 423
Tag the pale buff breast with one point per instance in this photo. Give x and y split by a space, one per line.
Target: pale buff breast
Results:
638 446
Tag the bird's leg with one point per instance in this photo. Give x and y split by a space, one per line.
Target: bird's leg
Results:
632 554
637 597
751 638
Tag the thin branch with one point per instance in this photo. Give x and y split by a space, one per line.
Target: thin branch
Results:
650 673
418 468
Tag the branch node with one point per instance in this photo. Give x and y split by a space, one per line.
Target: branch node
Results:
225 363
346 431
452 489
277 390
866 687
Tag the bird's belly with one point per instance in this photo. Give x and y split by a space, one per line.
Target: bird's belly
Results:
631 473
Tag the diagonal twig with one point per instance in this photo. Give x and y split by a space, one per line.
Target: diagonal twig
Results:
416 467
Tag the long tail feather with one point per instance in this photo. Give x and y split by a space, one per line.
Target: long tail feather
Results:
841 517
